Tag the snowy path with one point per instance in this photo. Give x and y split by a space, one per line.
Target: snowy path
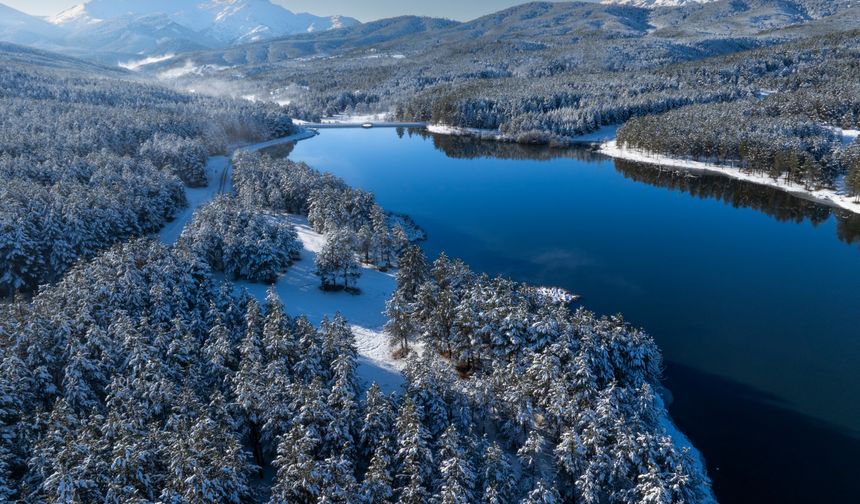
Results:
218 181
299 287
216 168
829 197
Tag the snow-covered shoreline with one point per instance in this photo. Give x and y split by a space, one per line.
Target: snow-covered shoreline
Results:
828 197
299 290
602 134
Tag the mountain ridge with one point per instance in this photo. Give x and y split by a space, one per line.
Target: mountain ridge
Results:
115 30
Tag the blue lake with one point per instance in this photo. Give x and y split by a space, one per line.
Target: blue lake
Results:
752 295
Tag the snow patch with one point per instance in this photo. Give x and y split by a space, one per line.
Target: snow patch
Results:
299 290
832 197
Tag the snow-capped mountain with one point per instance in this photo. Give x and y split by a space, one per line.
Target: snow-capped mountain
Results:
228 21
649 4
21 28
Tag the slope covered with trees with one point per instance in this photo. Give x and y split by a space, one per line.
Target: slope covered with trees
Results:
87 161
791 132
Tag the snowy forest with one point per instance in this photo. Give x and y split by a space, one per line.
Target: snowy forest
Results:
135 369
140 378
138 372
87 162
791 131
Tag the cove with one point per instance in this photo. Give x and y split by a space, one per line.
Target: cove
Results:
753 295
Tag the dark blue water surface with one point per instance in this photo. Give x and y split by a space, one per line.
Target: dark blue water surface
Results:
753 295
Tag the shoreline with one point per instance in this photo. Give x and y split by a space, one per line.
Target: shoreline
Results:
829 197
298 289
605 139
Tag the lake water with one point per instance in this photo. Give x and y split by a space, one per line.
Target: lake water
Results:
752 295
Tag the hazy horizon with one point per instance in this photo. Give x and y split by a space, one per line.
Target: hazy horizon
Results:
363 11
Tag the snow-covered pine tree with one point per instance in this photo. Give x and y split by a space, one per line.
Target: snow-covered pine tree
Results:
299 477
378 421
414 456
378 484
336 261
497 477
400 326
412 273
458 474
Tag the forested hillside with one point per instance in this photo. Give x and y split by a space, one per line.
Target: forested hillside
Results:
87 161
791 130
536 73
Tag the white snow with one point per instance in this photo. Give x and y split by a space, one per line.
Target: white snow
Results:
836 198
299 290
604 134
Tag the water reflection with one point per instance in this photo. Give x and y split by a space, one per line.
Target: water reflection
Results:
778 204
459 147
741 194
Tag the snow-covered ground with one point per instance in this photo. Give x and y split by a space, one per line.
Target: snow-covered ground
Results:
299 290
218 181
215 171
835 198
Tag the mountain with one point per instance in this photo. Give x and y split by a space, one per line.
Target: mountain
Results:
650 4
20 28
227 21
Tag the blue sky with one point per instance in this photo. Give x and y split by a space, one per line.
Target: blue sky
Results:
365 10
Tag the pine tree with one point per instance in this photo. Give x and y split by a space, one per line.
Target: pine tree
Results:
542 494
400 326
458 475
299 478
414 457
249 381
338 484
206 463
337 260
413 272
497 476
378 420
378 483
382 244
